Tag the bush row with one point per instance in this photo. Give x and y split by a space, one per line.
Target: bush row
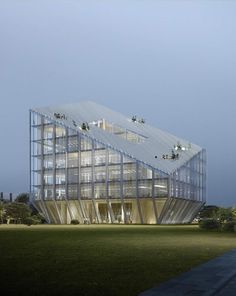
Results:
214 224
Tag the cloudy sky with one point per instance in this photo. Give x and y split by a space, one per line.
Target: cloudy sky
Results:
171 62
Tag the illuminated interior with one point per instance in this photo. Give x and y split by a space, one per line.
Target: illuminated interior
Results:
74 176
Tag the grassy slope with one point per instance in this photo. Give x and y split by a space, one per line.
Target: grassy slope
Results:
101 260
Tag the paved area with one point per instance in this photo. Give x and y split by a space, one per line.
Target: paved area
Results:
216 277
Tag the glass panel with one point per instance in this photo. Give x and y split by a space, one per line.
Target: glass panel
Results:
156 175
72 160
114 190
86 191
72 175
48 192
72 192
48 147
36 119
48 178
73 145
60 131
160 188
144 173
86 158
60 192
114 172
100 174
145 188
100 190
37 179
60 161
85 143
129 171
60 176
99 157
48 132
37 148
72 132
86 175
129 189
113 156
47 121
48 162
60 145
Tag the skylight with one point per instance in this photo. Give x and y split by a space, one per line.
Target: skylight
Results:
121 132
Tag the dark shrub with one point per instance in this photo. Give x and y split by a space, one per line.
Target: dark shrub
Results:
229 226
28 221
32 220
74 221
209 224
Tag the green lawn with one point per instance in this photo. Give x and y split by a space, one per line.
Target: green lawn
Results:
101 260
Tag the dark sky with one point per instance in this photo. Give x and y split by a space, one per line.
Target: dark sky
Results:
171 62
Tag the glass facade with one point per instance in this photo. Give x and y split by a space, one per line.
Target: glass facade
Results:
73 176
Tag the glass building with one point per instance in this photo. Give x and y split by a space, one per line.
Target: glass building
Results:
95 165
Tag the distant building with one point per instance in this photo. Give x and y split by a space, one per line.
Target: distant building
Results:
8 197
98 166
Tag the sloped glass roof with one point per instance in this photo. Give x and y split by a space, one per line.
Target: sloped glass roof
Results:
151 150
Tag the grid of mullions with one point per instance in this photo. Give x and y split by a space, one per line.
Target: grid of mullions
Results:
189 181
66 164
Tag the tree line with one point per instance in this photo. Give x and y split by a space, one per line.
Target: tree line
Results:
19 212
218 218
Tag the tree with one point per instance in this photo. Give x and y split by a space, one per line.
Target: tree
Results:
217 213
234 213
2 212
208 212
223 214
17 211
23 198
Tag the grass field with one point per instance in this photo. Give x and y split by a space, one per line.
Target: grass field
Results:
101 260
